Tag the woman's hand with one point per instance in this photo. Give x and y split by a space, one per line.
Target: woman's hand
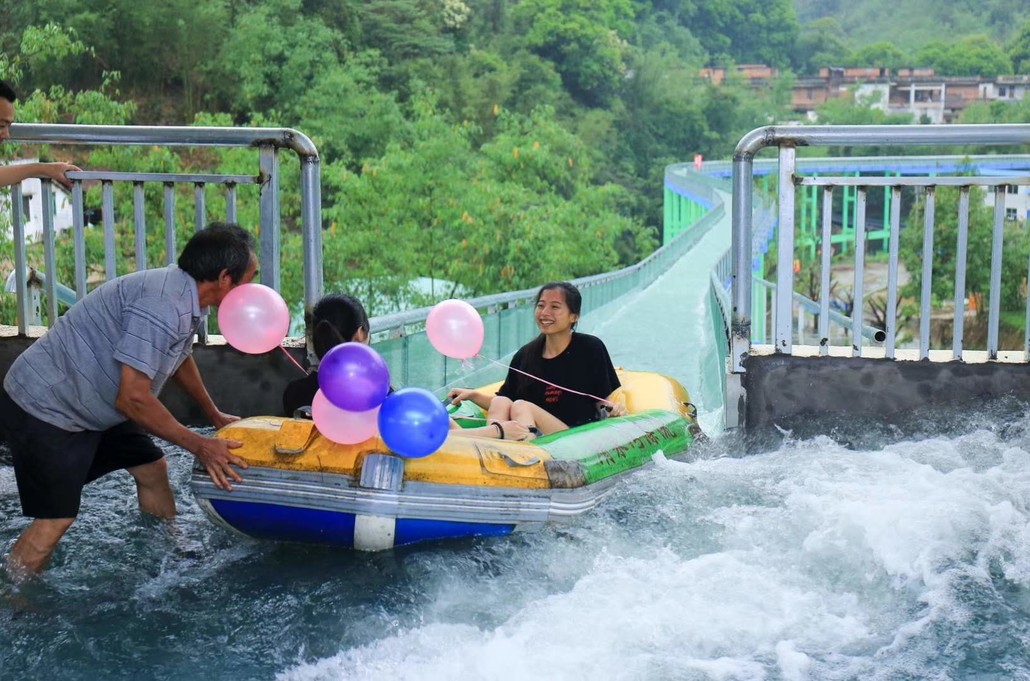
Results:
459 395
513 430
615 408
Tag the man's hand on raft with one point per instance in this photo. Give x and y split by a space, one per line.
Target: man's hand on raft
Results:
216 458
221 420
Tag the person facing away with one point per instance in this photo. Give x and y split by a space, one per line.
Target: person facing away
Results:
336 318
79 402
339 318
14 174
566 360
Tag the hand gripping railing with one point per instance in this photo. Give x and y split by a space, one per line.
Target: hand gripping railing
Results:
268 141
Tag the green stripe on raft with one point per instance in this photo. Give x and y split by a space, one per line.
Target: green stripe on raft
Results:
614 445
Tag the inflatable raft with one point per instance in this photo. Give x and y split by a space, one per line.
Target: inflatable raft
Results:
302 487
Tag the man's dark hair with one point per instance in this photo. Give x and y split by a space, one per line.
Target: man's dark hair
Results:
219 246
7 92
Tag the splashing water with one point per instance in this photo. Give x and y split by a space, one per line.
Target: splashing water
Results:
812 561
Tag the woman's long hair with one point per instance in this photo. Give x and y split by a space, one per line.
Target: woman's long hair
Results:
334 320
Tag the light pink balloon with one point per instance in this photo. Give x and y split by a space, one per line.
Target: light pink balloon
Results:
455 329
340 425
253 318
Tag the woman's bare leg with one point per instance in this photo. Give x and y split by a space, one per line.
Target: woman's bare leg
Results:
530 415
500 410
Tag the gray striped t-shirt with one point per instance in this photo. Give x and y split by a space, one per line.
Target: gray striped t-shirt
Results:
70 377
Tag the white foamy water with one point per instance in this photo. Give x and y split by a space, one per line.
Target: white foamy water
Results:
811 562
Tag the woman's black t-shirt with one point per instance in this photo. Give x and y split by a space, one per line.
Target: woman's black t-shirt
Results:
584 366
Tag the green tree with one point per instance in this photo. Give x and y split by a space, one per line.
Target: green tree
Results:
881 54
171 45
978 260
406 29
666 29
1019 49
746 31
583 38
273 56
914 23
820 43
1017 111
974 55
856 109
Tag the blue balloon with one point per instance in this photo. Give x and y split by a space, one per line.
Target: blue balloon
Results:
413 422
354 377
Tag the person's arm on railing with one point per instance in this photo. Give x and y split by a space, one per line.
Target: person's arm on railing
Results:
57 171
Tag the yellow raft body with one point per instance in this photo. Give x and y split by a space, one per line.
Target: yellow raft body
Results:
302 487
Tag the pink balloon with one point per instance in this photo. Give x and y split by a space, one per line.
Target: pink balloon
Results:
253 318
342 426
455 329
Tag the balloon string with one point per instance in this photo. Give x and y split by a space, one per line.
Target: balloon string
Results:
605 400
295 362
466 363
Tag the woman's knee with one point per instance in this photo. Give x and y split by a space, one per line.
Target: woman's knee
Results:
500 407
522 410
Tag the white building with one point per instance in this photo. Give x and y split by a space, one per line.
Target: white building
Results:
1017 202
1006 88
32 207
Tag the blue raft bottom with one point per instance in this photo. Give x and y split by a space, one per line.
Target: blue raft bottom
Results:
332 528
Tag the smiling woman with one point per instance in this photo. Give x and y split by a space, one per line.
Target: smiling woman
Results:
558 380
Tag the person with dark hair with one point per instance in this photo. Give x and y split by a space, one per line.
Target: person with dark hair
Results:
567 372
340 318
222 246
16 173
79 402
336 318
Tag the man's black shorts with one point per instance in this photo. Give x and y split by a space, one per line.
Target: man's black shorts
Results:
52 465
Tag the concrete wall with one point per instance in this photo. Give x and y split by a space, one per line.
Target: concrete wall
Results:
848 398
853 399
244 385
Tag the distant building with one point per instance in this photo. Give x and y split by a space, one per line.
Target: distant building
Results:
1017 199
755 73
927 97
32 208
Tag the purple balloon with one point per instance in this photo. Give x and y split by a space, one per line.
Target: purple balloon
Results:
354 377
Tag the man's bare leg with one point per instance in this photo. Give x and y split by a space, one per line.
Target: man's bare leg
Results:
154 490
32 552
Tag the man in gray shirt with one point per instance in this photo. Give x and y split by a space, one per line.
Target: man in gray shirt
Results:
79 402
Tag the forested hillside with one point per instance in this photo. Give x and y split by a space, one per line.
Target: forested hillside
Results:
490 143
911 24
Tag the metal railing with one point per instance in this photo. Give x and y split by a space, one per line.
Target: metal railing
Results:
267 142
786 139
400 338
